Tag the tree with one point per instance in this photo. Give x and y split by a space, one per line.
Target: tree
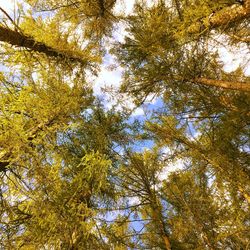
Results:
95 18
139 180
75 174
166 53
172 57
201 219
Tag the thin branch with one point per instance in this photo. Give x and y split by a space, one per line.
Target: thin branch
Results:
11 20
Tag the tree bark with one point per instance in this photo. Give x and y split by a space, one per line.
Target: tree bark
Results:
241 86
167 243
21 40
222 17
158 219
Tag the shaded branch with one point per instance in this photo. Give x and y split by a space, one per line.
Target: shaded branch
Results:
20 40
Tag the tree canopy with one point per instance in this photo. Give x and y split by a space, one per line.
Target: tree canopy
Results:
78 173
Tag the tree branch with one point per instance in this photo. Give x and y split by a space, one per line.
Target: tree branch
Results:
20 40
222 17
241 86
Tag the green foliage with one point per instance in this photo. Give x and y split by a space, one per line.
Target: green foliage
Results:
65 198
95 18
77 175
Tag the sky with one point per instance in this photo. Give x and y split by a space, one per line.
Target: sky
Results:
7 4
109 77
112 78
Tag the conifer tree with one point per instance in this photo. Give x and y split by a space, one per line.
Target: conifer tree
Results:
75 174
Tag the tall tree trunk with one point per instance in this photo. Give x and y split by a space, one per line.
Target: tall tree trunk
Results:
3 166
242 86
178 8
167 242
159 223
21 40
158 219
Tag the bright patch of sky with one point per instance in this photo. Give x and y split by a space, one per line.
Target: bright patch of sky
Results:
10 6
170 168
111 78
7 5
232 59
125 7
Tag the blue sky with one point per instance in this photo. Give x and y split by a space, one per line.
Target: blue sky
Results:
112 78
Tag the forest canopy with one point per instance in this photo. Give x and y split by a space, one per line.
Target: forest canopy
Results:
82 170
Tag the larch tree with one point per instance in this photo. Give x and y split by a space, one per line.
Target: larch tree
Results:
169 52
75 173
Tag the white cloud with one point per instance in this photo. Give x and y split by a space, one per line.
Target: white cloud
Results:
170 168
124 7
232 56
233 59
138 112
11 7
112 78
107 78
7 5
134 201
165 150
124 101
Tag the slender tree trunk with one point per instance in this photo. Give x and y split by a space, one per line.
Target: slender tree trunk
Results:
3 166
178 8
167 242
4 161
158 219
160 225
229 85
230 14
20 40
222 17
241 86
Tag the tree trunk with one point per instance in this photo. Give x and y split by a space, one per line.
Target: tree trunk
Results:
158 219
167 242
222 17
241 86
159 223
230 14
20 40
